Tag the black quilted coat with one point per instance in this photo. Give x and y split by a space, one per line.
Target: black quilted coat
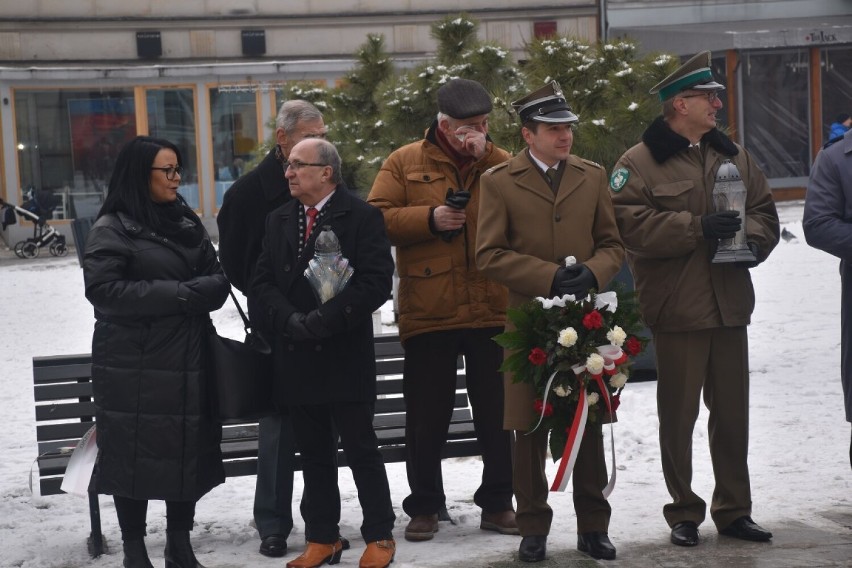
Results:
156 436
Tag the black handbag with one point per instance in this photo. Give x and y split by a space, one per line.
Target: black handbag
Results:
243 374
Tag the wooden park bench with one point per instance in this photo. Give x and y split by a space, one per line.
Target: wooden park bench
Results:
64 412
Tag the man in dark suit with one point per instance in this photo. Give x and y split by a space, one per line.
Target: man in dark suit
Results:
323 352
241 223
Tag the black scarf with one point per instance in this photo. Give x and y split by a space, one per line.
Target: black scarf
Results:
663 142
180 223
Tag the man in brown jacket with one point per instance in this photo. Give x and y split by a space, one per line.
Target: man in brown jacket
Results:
697 310
429 194
528 224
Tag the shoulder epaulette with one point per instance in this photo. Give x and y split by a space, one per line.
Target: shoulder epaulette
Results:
493 169
591 163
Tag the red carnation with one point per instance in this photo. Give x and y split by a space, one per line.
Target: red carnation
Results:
537 356
593 320
633 346
538 405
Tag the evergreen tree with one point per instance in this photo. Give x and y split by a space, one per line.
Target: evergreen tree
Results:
606 85
375 109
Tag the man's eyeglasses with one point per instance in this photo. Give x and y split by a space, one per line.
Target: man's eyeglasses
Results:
712 96
297 165
171 171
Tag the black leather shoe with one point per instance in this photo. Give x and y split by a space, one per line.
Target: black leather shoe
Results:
596 545
685 533
746 529
273 545
533 548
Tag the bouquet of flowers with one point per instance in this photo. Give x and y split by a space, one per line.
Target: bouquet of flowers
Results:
576 355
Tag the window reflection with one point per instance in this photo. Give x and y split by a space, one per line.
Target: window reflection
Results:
775 111
171 115
67 143
836 86
235 135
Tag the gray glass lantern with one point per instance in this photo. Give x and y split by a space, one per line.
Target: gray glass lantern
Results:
729 194
328 271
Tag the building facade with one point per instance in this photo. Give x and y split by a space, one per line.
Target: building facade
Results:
78 78
787 66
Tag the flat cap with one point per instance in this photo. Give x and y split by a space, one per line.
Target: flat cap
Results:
463 98
546 104
694 74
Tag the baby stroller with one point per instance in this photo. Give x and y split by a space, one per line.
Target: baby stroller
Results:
38 208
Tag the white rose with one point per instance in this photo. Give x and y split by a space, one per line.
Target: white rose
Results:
616 336
595 364
570 261
592 398
562 391
618 380
567 337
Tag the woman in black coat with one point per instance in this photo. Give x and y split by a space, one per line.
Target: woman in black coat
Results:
153 278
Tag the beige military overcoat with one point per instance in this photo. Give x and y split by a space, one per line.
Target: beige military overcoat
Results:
525 232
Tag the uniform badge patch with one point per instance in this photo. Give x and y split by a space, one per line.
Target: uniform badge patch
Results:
618 179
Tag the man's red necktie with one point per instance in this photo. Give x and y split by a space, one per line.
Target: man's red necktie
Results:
312 215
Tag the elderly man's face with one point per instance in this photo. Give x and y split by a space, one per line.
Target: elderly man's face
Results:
701 108
304 129
466 135
309 180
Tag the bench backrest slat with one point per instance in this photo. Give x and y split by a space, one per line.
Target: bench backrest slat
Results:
65 411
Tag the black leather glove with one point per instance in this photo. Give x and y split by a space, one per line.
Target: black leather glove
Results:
315 324
192 302
755 250
296 328
721 224
456 200
576 280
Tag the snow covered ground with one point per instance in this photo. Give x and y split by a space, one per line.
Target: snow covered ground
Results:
799 436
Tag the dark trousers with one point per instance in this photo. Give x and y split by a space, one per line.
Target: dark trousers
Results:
429 388
316 427
588 478
276 460
132 513
715 360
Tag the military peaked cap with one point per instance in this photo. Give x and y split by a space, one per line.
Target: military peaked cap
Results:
694 74
546 104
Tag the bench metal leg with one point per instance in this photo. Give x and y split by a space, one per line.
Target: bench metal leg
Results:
96 538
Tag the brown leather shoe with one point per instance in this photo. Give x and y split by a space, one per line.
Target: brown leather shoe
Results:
502 522
317 554
379 554
421 527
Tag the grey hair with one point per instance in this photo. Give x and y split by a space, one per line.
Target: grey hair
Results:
293 112
327 154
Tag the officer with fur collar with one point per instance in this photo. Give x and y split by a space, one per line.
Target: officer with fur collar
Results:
697 310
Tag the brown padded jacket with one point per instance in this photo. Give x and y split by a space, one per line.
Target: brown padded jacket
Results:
440 287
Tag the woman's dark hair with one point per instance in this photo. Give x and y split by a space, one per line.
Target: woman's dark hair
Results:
130 185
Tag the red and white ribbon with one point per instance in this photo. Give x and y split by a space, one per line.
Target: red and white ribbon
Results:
575 438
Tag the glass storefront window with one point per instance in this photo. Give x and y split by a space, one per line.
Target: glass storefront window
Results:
234 127
171 115
836 86
775 111
67 142
717 65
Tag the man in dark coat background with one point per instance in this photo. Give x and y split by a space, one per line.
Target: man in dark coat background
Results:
828 226
323 352
241 223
